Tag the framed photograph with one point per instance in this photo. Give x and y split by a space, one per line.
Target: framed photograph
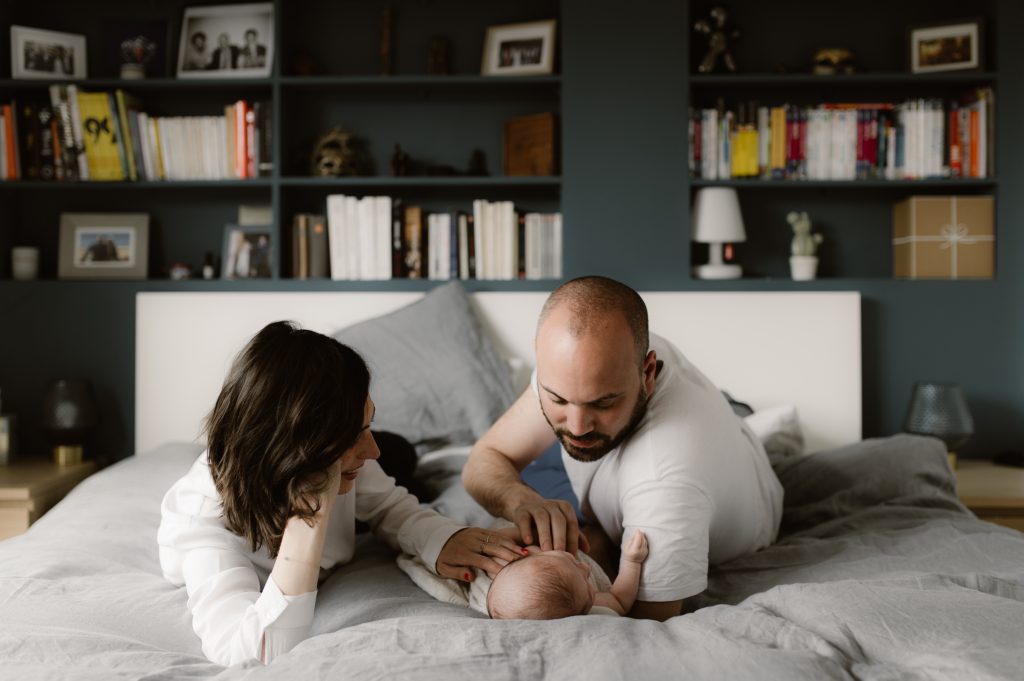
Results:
47 55
946 47
103 246
247 252
519 49
227 41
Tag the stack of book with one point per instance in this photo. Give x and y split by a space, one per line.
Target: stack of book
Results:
910 140
380 237
106 136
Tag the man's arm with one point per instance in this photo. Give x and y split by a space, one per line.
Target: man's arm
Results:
491 476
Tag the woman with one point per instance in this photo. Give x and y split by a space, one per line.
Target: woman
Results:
290 467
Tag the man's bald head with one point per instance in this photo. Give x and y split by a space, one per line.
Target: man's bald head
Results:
591 301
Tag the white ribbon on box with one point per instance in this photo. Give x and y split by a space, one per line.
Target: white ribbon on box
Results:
949 236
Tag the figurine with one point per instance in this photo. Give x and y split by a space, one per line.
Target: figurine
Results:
437 57
399 162
719 35
830 61
333 155
804 243
136 52
803 263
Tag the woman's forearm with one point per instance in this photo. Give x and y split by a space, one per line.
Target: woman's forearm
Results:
297 567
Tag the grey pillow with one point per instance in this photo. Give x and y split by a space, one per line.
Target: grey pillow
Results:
436 378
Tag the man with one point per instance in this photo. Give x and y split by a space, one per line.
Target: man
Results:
225 56
252 54
647 441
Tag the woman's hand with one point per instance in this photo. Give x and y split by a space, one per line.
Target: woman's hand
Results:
475 547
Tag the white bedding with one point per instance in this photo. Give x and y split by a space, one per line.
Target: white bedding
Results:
880 574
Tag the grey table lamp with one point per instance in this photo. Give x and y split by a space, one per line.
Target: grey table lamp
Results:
68 415
940 410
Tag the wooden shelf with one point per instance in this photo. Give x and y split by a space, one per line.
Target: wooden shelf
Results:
846 184
716 80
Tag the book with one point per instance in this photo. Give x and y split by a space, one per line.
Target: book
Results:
412 233
530 145
300 246
126 104
318 259
98 127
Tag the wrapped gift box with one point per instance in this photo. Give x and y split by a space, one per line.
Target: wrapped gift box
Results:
944 237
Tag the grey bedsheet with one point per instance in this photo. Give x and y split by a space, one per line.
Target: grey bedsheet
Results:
879 574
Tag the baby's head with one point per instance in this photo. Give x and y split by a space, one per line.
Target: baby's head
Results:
545 585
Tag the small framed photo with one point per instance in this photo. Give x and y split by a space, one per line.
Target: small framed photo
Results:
48 55
227 41
946 47
519 49
103 246
247 253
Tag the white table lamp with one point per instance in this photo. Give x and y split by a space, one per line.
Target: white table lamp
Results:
716 221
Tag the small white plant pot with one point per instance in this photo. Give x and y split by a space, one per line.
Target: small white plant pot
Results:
803 267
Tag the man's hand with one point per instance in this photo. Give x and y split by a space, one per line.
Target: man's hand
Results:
475 547
551 524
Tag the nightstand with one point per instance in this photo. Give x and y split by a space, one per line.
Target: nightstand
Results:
994 493
29 488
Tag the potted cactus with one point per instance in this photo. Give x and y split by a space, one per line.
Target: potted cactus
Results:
803 263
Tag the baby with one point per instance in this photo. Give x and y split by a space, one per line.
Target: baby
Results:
552 584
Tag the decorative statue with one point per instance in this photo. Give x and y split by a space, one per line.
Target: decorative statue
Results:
136 52
719 34
830 61
333 155
804 243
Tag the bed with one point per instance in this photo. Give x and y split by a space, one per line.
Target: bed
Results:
879 572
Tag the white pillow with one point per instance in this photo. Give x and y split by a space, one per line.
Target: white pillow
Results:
778 429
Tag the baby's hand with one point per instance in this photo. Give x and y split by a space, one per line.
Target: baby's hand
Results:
636 549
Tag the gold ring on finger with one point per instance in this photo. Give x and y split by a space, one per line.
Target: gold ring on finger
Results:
487 539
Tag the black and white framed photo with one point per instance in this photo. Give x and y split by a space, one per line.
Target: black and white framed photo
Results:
227 41
247 252
103 246
519 49
951 46
48 55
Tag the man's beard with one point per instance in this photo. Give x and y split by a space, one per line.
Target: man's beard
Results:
602 443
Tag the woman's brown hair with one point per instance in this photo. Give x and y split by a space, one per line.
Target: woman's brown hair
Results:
291 404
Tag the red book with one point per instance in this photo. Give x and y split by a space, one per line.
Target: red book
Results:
975 134
241 151
8 132
956 162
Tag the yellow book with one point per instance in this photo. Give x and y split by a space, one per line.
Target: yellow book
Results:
100 136
155 122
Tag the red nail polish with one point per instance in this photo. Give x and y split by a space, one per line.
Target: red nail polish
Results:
524 552
466 576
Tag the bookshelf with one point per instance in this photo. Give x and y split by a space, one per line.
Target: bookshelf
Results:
854 215
438 119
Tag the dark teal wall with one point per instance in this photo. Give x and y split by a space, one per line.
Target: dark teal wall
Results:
625 198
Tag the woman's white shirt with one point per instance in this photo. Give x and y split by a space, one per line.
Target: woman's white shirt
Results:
238 611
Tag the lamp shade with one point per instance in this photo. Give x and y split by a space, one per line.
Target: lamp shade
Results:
940 410
717 217
68 410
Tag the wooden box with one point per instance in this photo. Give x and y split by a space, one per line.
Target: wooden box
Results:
530 143
944 237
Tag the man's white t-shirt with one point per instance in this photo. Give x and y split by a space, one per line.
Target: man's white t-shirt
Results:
692 476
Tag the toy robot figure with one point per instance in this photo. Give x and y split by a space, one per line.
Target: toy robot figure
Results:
719 35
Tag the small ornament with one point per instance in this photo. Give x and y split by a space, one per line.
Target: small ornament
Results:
334 155
136 52
719 34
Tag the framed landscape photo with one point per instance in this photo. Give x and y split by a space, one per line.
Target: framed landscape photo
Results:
247 253
103 246
951 46
519 49
47 55
227 41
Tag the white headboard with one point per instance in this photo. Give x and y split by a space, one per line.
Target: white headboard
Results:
766 349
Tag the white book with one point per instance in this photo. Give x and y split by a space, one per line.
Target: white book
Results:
366 219
76 132
382 232
556 235
511 262
709 144
463 246
335 227
478 237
